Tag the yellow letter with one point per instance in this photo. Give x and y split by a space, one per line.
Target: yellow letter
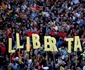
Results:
69 44
77 44
47 43
28 44
10 46
53 44
36 43
18 41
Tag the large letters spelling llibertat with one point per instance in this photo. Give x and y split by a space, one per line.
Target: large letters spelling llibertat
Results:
48 41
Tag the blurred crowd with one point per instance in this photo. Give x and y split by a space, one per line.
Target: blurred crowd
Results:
60 19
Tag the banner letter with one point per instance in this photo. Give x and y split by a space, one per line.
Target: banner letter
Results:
36 43
53 44
28 44
47 43
69 44
18 41
10 46
77 44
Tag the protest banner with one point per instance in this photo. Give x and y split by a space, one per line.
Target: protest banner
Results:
48 41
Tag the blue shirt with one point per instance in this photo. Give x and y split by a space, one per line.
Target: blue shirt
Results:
59 43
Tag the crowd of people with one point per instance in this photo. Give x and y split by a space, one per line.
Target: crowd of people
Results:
60 19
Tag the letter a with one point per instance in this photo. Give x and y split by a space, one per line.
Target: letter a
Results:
77 44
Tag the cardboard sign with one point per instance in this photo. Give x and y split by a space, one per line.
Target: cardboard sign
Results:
69 44
77 44
51 42
18 41
28 44
10 46
36 43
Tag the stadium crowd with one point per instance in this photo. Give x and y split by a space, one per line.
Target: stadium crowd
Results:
60 19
